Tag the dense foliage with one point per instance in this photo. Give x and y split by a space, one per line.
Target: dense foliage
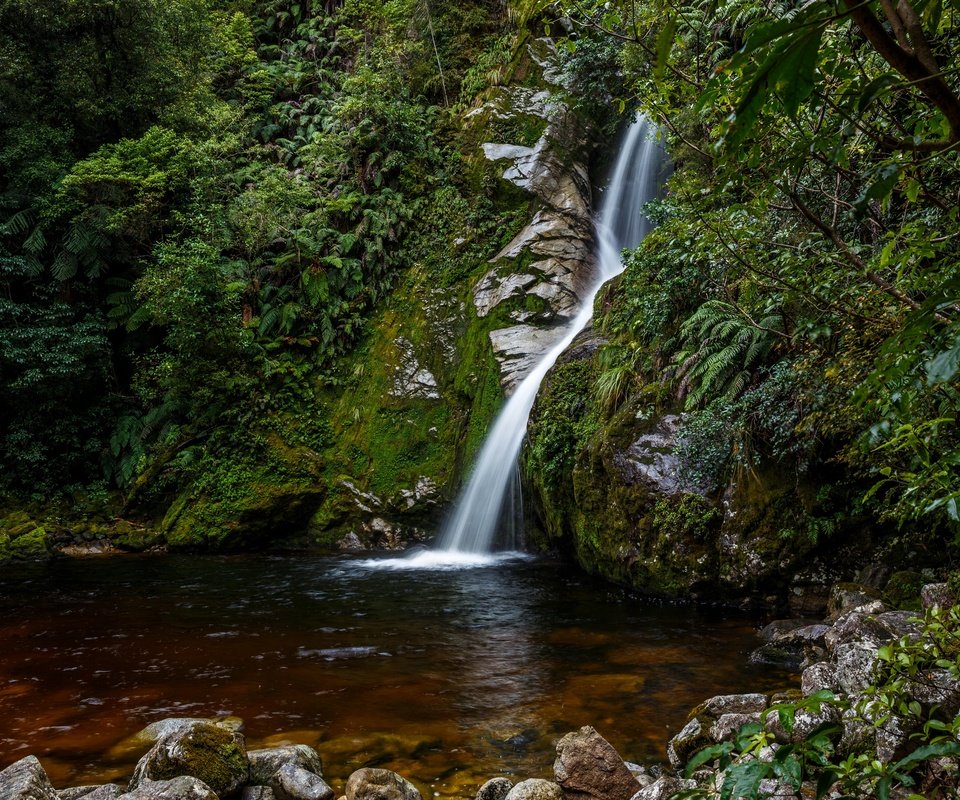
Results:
800 296
200 202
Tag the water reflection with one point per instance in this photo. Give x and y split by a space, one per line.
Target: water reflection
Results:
448 676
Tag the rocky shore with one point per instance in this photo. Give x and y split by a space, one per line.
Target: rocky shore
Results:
840 658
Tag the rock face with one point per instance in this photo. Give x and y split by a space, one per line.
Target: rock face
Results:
588 767
615 492
109 791
379 784
549 264
209 753
26 780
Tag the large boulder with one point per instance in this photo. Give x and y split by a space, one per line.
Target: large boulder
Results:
26 780
212 754
379 784
587 766
183 787
265 763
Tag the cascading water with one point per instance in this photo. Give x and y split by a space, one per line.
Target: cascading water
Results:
636 180
470 534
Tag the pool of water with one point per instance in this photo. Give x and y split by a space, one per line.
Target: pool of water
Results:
448 676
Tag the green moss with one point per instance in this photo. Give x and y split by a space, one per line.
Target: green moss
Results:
903 590
210 753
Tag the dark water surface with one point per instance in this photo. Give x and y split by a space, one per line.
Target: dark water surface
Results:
448 677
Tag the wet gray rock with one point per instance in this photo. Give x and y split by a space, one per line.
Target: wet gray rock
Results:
265 763
804 723
164 727
853 665
778 627
732 704
258 793
411 379
937 594
379 784
728 725
108 791
212 754
664 788
293 782
495 789
642 774
351 543
692 737
588 767
845 597
26 780
818 677
651 459
535 789
936 687
184 787
857 626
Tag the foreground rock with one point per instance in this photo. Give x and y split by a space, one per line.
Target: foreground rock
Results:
296 783
380 784
26 780
209 753
183 787
535 789
109 791
264 764
588 767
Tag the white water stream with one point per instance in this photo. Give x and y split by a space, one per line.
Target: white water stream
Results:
489 507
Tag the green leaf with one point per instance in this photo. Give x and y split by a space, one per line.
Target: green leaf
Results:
665 41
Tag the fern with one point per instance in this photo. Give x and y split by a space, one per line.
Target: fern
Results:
724 349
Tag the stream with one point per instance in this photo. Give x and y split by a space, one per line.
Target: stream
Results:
447 676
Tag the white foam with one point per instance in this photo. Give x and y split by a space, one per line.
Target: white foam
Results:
443 560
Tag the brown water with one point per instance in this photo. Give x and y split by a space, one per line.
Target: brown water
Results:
448 677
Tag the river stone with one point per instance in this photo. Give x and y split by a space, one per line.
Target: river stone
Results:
587 766
183 787
380 784
258 793
664 788
26 780
265 763
727 726
495 789
292 782
817 677
109 791
691 738
731 704
535 789
210 753
774 629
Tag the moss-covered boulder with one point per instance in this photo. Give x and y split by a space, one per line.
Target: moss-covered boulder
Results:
210 753
23 539
610 489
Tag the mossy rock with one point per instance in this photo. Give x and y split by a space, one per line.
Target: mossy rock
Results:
33 545
210 753
903 590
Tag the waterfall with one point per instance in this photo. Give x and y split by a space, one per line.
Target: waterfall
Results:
493 485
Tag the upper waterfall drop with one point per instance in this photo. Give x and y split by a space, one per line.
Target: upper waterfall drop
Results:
494 484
